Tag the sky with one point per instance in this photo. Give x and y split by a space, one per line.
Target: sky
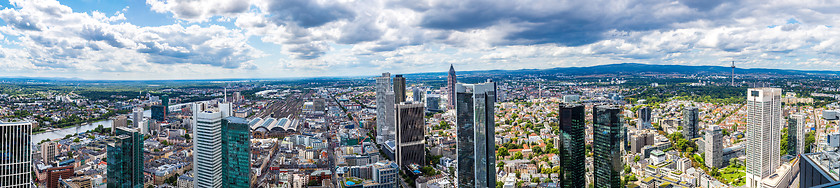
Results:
216 39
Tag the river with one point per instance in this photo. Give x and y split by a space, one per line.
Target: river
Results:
61 133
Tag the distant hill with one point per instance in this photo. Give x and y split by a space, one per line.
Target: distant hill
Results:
636 68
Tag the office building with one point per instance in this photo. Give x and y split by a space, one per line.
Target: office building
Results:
119 121
385 174
476 149
383 86
236 152
644 118
16 166
399 89
207 144
606 146
691 118
125 159
56 173
433 102
159 112
48 151
640 140
819 169
764 122
417 94
136 117
410 134
713 140
571 99
572 145
450 86
796 134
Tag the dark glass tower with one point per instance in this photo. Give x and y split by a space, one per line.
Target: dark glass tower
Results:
791 136
690 119
159 112
572 145
399 89
236 153
125 159
606 146
450 85
410 134
476 151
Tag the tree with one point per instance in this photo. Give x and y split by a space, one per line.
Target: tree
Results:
636 159
76 140
733 162
517 155
187 136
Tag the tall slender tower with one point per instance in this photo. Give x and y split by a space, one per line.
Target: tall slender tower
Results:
410 134
16 152
383 86
606 146
796 124
764 122
571 145
399 89
450 85
207 145
125 159
690 120
476 149
733 74
714 146
236 152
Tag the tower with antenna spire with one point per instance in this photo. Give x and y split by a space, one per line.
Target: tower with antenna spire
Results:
732 76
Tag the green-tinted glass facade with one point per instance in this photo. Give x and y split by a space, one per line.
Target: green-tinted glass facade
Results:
125 159
572 145
606 146
159 112
236 153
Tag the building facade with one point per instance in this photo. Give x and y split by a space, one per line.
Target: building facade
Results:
48 151
608 134
383 86
476 149
410 134
16 166
644 118
691 118
796 134
159 112
207 145
450 86
236 152
764 122
136 117
125 159
572 145
399 89
713 140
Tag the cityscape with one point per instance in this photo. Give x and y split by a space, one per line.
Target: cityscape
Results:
419 94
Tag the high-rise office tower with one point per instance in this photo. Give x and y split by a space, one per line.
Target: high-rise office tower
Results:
764 122
450 86
690 120
236 152
383 86
207 144
608 133
433 102
644 118
572 145
125 159
48 151
417 94
119 121
159 112
476 149
410 134
713 140
399 89
796 133
390 129
16 154
137 116
164 100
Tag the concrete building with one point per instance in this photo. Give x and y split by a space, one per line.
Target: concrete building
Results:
410 134
125 159
640 140
136 116
714 147
383 86
475 141
819 169
16 166
119 121
764 121
691 119
185 180
606 146
207 144
568 99
56 173
48 151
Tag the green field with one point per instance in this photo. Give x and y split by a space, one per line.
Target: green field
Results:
732 176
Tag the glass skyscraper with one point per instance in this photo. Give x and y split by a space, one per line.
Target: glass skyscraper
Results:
411 137
236 152
207 144
606 146
159 112
125 159
572 145
16 154
691 117
475 119
399 89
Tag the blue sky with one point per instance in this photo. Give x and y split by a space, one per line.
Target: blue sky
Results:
204 39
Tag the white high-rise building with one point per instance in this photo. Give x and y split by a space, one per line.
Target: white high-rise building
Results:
383 86
390 129
137 116
16 166
799 119
207 144
764 125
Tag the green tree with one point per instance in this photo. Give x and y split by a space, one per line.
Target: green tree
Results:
517 155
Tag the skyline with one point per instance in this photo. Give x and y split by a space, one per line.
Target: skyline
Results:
170 39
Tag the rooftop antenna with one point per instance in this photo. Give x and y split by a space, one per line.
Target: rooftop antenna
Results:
733 74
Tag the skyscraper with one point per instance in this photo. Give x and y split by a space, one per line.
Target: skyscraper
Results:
606 146
16 154
764 121
125 159
399 89
796 133
137 116
571 145
690 121
713 140
410 134
48 151
383 85
159 112
644 118
207 144
476 149
236 152
390 129
119 121
433 102
164 100
417 94
450 86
